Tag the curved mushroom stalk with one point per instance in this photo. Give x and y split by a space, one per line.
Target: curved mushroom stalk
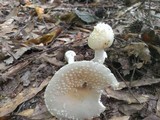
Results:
74 91
102 37
100 56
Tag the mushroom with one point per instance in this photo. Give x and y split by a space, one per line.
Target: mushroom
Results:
102 37
69 56
75 90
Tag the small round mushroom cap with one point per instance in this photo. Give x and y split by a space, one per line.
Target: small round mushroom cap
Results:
74 91
69 56
101 37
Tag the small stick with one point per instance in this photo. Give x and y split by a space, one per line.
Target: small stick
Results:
130 91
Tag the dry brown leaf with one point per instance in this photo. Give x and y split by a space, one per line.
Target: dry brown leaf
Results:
26 113
130 109
125 65
126 96
150 36
45 39
25 2
14 69
158 107
120 118
128 36
41 113
45 4
138 83
5 118
25 78
13 13
52 60
152 117
3 66
123 12
69 17
28 28
139 49
157 48
40 12
7 27
25 95
18 54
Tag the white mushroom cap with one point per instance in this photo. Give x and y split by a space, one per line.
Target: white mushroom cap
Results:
69 56
101 37
74 91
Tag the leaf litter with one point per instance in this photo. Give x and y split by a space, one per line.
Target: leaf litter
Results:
35 36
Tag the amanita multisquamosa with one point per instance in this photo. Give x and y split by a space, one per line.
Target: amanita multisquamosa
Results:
74 91
102 37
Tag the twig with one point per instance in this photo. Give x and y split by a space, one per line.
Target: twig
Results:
130 84
130 91
121 13
82 29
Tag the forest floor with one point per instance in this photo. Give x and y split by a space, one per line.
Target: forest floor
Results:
34 35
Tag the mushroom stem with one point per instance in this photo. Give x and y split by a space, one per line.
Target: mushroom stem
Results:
69 56
100 56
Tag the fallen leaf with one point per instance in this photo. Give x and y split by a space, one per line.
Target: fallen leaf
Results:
138 83
150 107
86 16
130 109
40 12
158 107
125 65
120 118
152 117
41 113
130 2
14 117
27 29
25 2
150 36
25 95
26 113
14 69
119 29
136 26
2 56
13 13
128 36
3 66
157 48
45 4
45 39
7 27
25 78
123 12
52 60
69 17
126 96
18 54
139 49
5 118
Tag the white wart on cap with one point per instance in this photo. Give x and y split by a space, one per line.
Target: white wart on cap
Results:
74 91
101 37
